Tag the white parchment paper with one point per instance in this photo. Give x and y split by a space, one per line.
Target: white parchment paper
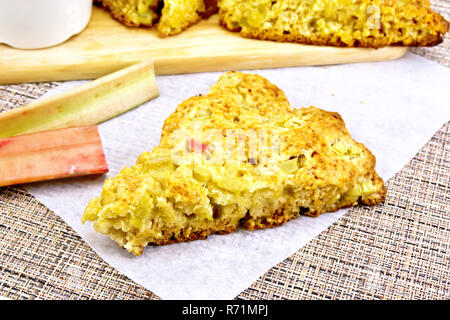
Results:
393 107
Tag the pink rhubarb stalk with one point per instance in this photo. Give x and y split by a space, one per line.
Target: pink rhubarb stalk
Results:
51 155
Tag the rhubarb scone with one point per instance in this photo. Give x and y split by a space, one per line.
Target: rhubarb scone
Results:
239 156
348 23
172 16
133 13
177 15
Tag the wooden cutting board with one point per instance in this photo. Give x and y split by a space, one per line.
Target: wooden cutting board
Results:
106 45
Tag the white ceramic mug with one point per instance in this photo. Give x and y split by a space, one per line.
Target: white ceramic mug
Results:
31 24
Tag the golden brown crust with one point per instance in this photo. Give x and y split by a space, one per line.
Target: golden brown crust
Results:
428 41
418 25
378 197
185 235
278 218
195 235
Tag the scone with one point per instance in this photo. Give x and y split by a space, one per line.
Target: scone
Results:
177 15
239 156
133 13
347 23
172 16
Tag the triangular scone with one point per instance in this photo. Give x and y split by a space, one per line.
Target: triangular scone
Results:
348 23
239 156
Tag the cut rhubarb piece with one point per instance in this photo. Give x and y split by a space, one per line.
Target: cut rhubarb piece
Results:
196 146
86 105
51 155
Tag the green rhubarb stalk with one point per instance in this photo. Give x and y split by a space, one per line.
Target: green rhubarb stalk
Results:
88 104
49 155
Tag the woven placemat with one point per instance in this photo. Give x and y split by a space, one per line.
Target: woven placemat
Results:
397 250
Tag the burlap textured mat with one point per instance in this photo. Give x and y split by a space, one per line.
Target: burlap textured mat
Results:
398 250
